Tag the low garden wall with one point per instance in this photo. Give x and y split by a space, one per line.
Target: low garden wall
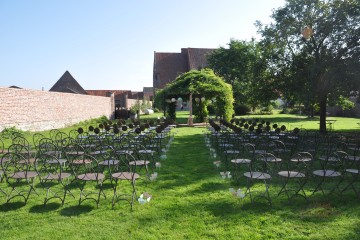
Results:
36 110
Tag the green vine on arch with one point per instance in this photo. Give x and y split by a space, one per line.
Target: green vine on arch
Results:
202 83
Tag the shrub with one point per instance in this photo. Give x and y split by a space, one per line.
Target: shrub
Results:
7 133
267 109
241 109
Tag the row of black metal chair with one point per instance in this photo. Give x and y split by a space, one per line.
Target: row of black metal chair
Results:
62 163
281 158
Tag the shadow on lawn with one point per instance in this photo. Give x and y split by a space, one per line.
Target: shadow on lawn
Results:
210 187
288 119
45 208
76 210
11 206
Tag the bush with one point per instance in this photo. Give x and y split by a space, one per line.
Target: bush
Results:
211 109
241 109
156 110
200 111
285 111
171 113
267 109
7 133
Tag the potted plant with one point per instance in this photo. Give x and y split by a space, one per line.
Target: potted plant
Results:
133 112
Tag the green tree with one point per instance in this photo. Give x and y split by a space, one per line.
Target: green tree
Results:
201 84
243 66
313 50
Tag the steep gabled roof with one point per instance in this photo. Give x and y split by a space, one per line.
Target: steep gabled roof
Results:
67 83
105 93
148 89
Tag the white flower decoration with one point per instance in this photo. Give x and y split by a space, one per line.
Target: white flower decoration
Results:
153 176
237 193
217 163
158 164
226 174
144 198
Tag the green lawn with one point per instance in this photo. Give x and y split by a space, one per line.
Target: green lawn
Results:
291 121
190 201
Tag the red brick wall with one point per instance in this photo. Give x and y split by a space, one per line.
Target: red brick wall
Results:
41 110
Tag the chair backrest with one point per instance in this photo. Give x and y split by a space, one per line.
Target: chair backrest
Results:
88 164
36 138
49 165
261 163
53 133
300 162
21 140
48 146
12 162
336 161
248 151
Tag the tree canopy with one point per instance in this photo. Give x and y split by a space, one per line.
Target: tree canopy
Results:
313 50
200 83
243 66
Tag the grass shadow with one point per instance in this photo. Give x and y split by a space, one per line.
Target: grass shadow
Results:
45 208
76 210
210 187
11 206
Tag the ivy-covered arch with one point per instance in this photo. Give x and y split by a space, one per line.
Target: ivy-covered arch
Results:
200 84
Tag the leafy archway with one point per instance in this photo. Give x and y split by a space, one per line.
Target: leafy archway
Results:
205 87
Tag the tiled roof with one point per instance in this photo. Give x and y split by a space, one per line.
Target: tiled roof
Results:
148 89
105 93
67 83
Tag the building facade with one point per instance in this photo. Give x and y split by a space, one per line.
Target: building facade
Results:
168 66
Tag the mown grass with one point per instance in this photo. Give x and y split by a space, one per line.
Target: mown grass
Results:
190 201
291 121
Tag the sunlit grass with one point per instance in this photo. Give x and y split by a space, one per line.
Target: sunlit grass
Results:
291 121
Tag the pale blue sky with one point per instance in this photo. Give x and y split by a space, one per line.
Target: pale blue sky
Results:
110 44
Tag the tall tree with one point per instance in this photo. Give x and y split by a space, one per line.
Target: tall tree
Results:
243 66
314 50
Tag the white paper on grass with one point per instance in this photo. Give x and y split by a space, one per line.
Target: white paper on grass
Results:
144 198
238 193
153 176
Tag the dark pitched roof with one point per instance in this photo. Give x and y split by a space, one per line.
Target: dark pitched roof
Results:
148 89
105 93
67 83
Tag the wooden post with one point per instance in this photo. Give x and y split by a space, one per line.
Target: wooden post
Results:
190 119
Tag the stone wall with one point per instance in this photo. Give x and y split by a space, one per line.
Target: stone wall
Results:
36 110
131 102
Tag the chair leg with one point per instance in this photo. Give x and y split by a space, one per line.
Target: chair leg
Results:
267 197
319 187
283 188
114 196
